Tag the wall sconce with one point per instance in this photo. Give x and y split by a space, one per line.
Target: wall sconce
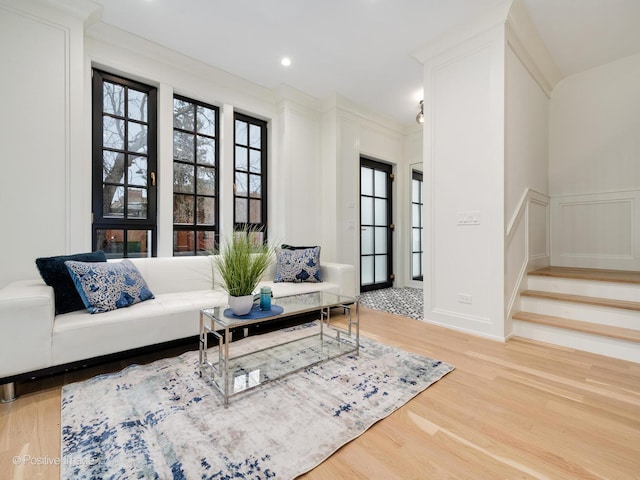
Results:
420 116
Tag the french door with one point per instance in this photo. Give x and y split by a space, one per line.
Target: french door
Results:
376 227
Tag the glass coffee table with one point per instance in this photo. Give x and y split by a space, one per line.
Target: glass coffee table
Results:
289 350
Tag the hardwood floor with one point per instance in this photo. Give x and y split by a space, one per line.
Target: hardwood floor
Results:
521 410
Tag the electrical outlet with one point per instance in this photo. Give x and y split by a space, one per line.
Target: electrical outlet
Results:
464 298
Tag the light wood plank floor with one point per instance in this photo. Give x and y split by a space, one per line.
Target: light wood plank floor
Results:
520 410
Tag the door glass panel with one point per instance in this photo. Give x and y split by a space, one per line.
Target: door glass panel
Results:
366 211
366 247
416 264
182 114
183 243
242 162
241 184
416 240
206 121
205 242
366 181
255 160
415 191
380 180
255 211
381 211
381 269
241 210
111 242
381 240
137 105
366 275
416 218
241 132
138 243
255 185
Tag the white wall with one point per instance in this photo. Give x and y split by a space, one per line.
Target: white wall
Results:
464 172
41 129
595 167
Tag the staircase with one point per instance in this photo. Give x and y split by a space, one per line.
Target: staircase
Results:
585 309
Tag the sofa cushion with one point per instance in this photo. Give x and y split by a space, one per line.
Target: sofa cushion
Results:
298 264
55 274
108 286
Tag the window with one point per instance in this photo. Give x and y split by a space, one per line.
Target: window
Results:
195 179
124 166
416 225
250 169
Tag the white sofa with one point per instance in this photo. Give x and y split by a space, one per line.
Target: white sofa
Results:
33 338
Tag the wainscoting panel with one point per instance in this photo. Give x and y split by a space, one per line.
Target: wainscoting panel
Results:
596 231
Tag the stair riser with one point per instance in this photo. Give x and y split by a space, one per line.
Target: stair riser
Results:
589 288
580 341
589 313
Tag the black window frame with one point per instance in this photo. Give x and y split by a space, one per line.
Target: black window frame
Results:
125 223
417 176
248 225
196 227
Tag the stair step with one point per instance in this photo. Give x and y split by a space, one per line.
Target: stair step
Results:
619 333
618 276
601 302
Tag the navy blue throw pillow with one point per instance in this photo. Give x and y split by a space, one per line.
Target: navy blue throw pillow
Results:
55 274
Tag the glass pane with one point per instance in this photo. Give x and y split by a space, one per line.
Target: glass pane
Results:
183 243
416 244
112 167
241 184
183 178
366 181
206 121
111 242
206 211
242 162
366 270
137 203
183 115
112 133
366 245
206 150
416 218
137 105
241 132
381 240
206 181
183 147
138 170
137 137
205 242
255 186
241 210
113 99
381 211
416 264
138 243
381 268
366 211
254 136
380 179
183 209
255 211
415 191
113 201
255 158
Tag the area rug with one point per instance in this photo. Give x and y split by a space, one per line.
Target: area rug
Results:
163 421
405 301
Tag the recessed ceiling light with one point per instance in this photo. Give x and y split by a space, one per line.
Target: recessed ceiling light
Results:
285 62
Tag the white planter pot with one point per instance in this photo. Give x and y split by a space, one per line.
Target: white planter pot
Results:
241 305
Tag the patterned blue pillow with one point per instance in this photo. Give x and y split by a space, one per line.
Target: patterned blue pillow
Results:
298 265
108 286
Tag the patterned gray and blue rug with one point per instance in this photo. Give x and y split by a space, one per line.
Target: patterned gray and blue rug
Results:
163 421
405 301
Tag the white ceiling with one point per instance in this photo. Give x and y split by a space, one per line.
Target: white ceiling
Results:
361 49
